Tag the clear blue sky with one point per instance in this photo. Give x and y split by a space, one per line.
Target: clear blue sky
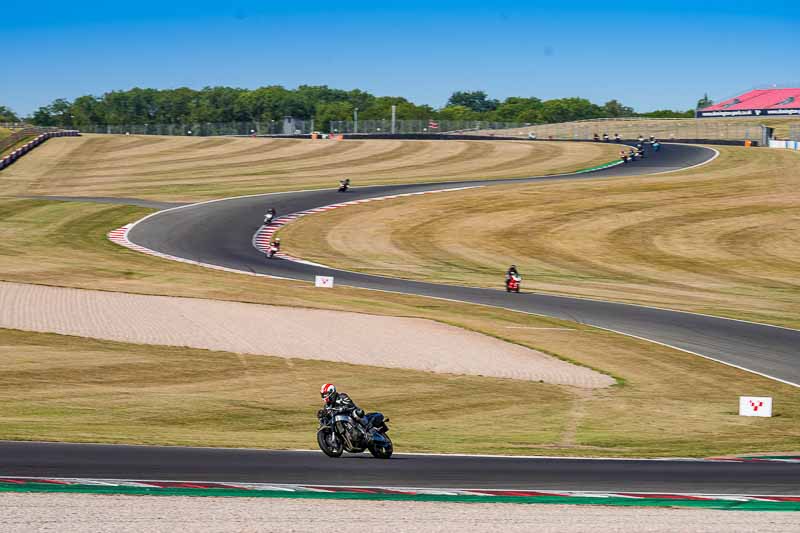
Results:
648 54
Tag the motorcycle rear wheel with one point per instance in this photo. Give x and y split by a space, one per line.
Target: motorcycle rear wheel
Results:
382 452
330 449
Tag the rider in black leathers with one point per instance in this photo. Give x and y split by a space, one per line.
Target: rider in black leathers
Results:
340 401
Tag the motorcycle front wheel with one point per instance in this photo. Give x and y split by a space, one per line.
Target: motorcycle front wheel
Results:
328 443
383 450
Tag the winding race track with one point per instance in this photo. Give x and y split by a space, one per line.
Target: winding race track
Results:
220 233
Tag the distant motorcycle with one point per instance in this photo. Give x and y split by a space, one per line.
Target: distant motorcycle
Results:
344 185
513 283
268 218
272 250
339 432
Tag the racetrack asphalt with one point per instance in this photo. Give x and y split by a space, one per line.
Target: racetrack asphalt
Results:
220 233
63 460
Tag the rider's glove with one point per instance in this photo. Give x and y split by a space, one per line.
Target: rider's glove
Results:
359 413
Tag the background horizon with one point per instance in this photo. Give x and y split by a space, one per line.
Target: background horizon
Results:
647 57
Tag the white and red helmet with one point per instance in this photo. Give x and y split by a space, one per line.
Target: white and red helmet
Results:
328 392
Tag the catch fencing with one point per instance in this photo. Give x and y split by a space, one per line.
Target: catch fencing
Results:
405 126
288 126
732 129
627 129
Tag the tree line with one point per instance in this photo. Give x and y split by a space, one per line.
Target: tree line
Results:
321 103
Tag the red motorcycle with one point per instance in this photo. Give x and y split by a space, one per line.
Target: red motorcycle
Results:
513 282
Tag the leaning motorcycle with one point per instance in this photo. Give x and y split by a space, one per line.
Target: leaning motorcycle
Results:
513 282
339 432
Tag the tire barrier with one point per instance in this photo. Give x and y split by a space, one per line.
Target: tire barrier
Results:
30 145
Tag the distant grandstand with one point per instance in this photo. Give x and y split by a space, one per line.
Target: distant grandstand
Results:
758 102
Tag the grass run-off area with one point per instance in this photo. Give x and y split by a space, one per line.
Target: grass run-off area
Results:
191 168
56 387
722 239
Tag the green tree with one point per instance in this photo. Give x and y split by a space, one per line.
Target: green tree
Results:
381 108
87 110
328 112
614 108
458 112
668 113
42 117
6 115
705 101
61 111
474 100
516 109
174 106
568 109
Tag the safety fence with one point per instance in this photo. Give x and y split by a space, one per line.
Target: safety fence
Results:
14 125
593 129
287 126
16 138
733 130
33 143
20 133
383 126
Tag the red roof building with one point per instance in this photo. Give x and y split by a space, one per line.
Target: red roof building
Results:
758 102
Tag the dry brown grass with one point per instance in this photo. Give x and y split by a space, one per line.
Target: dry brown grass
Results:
79 389
178 168
56 387
721 239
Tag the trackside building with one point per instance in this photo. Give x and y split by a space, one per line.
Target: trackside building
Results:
756 103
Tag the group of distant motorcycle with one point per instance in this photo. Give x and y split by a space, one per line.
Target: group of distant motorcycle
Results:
343 427
638 151
513 278
275 246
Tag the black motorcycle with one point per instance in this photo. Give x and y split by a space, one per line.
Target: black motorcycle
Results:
344 185
339 432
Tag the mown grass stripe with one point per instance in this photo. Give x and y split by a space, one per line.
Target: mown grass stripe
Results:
719 504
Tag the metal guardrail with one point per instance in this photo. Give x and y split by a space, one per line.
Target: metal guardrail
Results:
16 137
33 143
